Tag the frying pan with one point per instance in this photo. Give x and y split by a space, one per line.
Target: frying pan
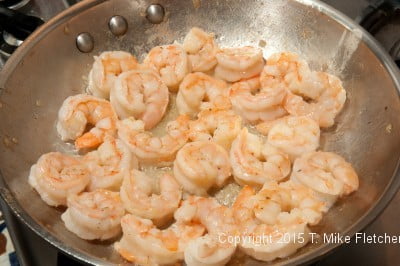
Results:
48 67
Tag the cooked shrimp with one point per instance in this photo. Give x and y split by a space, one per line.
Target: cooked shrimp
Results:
219 222
207 251
94 215
109 164
81 110
239 63
282 240
201 165
254 162
221 126
323 109
207 211
106 68
293 135
141 94
56 176
149 149
139 198
234 76
199 91
171 63
287 70
145 244
327 173
240 58
286 203
201 50
254 104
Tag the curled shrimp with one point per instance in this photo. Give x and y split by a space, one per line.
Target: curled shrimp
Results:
199 91
240 58
149 149
106 68
145 244
94 215
256 104
171 62
81 110
109 164
201 165
207 251
287 70
323 109
210 249
255 162
282 240
207 211
286 203
239 63
293 135
201 49
138 197
327 173
219 125
56 176
141 94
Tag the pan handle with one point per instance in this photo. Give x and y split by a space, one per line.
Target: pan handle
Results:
17 23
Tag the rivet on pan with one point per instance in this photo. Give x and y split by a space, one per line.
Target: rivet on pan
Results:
155 13
118 25
85 42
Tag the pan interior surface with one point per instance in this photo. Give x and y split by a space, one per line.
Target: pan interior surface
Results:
49 68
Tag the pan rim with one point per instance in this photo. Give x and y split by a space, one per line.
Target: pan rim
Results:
374 211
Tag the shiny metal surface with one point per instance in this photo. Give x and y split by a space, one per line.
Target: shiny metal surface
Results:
84 42
39 8
118 25
19 4
10 39
155 13
47 68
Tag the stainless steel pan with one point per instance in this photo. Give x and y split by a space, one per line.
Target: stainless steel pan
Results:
48 67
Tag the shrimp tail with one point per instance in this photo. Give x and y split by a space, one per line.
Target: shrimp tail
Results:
88 140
